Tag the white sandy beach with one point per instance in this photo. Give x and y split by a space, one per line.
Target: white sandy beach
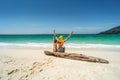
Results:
33 64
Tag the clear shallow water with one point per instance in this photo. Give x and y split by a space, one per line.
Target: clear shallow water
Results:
45 40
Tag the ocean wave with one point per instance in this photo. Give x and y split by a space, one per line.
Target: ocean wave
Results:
72 45
49 45
25 45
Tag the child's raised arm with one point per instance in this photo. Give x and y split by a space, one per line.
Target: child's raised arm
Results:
55 37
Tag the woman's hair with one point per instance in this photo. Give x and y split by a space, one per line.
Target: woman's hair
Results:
61 37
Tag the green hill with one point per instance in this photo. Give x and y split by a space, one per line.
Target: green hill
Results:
115 30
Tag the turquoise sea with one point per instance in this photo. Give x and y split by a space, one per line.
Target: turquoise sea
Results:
45 40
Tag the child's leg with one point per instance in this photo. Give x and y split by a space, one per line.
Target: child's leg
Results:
54 47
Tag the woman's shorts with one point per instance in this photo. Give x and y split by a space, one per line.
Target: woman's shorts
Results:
62 49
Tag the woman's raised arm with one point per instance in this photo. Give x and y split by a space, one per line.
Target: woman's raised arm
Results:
69 36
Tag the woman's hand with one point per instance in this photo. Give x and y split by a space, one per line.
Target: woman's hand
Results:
71 32
54 30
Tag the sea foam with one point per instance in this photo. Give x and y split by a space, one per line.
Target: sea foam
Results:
49 45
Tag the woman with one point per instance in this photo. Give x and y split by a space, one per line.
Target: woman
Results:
59 42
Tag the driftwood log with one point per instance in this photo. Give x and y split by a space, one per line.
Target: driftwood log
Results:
75 56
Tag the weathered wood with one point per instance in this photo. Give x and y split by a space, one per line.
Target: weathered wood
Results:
77 57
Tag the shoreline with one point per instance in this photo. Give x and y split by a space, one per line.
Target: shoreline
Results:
67 45
33 64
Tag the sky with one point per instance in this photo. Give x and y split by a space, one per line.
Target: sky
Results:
42 16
